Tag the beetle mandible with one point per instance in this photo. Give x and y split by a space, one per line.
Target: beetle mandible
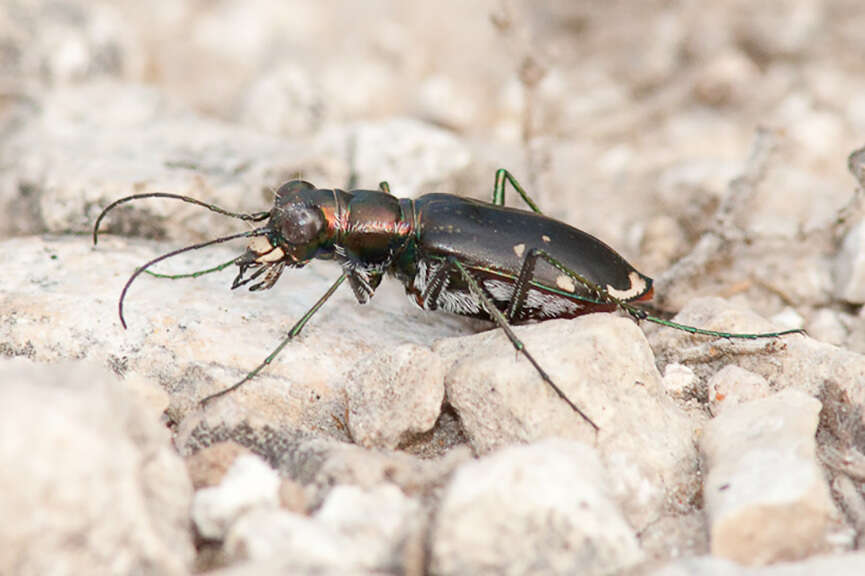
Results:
455 254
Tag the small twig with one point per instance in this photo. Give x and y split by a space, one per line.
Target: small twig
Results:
839 441
856 165
723 230
531 71
847 213
849 462
720 348
643 113
743 187
853 504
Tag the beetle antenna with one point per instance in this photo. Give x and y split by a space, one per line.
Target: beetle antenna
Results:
256 232
252 217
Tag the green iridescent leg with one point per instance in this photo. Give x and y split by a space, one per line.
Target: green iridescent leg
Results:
502 177
295 330
384 187
502 323
602 295
196 274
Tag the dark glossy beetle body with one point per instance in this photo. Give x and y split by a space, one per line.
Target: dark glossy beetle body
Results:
371 233
493 242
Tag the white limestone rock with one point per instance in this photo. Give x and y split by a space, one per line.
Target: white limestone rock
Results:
249 483
89 481
393 395
733 385
355 529
412 156
538 509
765 492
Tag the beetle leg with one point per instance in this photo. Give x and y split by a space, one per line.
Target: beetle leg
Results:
295 330
521 288
363 284
430 296
503 176
502 322
384 187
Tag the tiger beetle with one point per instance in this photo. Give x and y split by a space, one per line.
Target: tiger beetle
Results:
455 254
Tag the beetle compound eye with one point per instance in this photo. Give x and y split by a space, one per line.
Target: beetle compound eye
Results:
301 224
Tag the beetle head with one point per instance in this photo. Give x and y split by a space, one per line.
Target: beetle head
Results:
294 234
298 223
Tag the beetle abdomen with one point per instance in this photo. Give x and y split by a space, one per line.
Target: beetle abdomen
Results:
456 298
495 241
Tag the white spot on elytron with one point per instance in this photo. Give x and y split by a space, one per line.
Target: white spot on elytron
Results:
637 287
546 239
274 255
519 249
565 282
260 245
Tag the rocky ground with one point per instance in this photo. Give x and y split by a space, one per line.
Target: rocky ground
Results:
709 143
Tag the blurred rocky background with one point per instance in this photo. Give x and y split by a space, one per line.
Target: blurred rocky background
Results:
709 143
